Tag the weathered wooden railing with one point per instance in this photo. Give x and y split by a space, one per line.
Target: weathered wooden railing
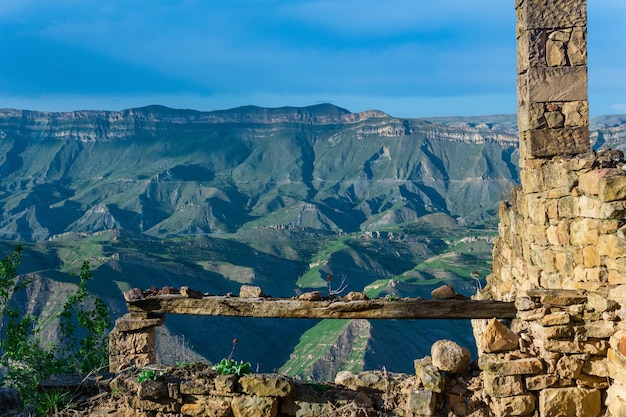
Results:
132 341
406 308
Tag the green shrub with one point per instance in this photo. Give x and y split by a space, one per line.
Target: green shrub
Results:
84 321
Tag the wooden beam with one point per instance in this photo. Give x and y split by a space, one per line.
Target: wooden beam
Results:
326 309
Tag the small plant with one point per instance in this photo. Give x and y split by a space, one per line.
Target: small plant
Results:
149 375
231 367
51 403
390 297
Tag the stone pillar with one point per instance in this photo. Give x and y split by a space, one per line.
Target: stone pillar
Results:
132 342
553 109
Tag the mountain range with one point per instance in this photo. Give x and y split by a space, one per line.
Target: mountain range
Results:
273 197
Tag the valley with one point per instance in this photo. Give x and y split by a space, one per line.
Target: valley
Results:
278 198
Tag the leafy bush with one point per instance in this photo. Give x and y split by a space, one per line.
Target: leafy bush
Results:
84 321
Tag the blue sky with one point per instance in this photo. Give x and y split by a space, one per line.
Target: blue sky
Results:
409 58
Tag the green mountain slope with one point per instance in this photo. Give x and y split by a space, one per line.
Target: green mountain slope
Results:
273 197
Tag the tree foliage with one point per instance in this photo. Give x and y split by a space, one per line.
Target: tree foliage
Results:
27 359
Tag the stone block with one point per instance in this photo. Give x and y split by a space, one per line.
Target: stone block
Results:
558 318
549 84
206 406
584 231
553 332
197 386
612 246
590 381
537 234
152 390
250 291
564 262
503 385
531 49
544 143
266 385
577 47
618 294
616 400
428 376
596 366
617 277
162 406
525 304
539 382
226 383
592 346
127 323
589 182
548 14
537 210
519 405
532 181
576 113
571 402
570 366
421 403
568 207
612 188
599 329
617 370
613 210
503 366
591 257
253 406
557 297
589 207
600 302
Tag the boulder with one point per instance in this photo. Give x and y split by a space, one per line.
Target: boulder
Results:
250 291
445 292
448 356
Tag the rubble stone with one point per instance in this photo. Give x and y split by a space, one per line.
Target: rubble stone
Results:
448 356
498 338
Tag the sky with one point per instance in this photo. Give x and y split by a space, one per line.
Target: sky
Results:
408 58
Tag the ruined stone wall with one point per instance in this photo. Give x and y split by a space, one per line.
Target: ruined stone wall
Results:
561 256
561 250
553 111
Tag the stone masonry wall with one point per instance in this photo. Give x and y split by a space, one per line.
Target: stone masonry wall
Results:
553 111
561 256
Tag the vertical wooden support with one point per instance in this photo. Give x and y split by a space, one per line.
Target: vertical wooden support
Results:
553 109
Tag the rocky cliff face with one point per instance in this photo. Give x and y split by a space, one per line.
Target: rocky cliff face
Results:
164 171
